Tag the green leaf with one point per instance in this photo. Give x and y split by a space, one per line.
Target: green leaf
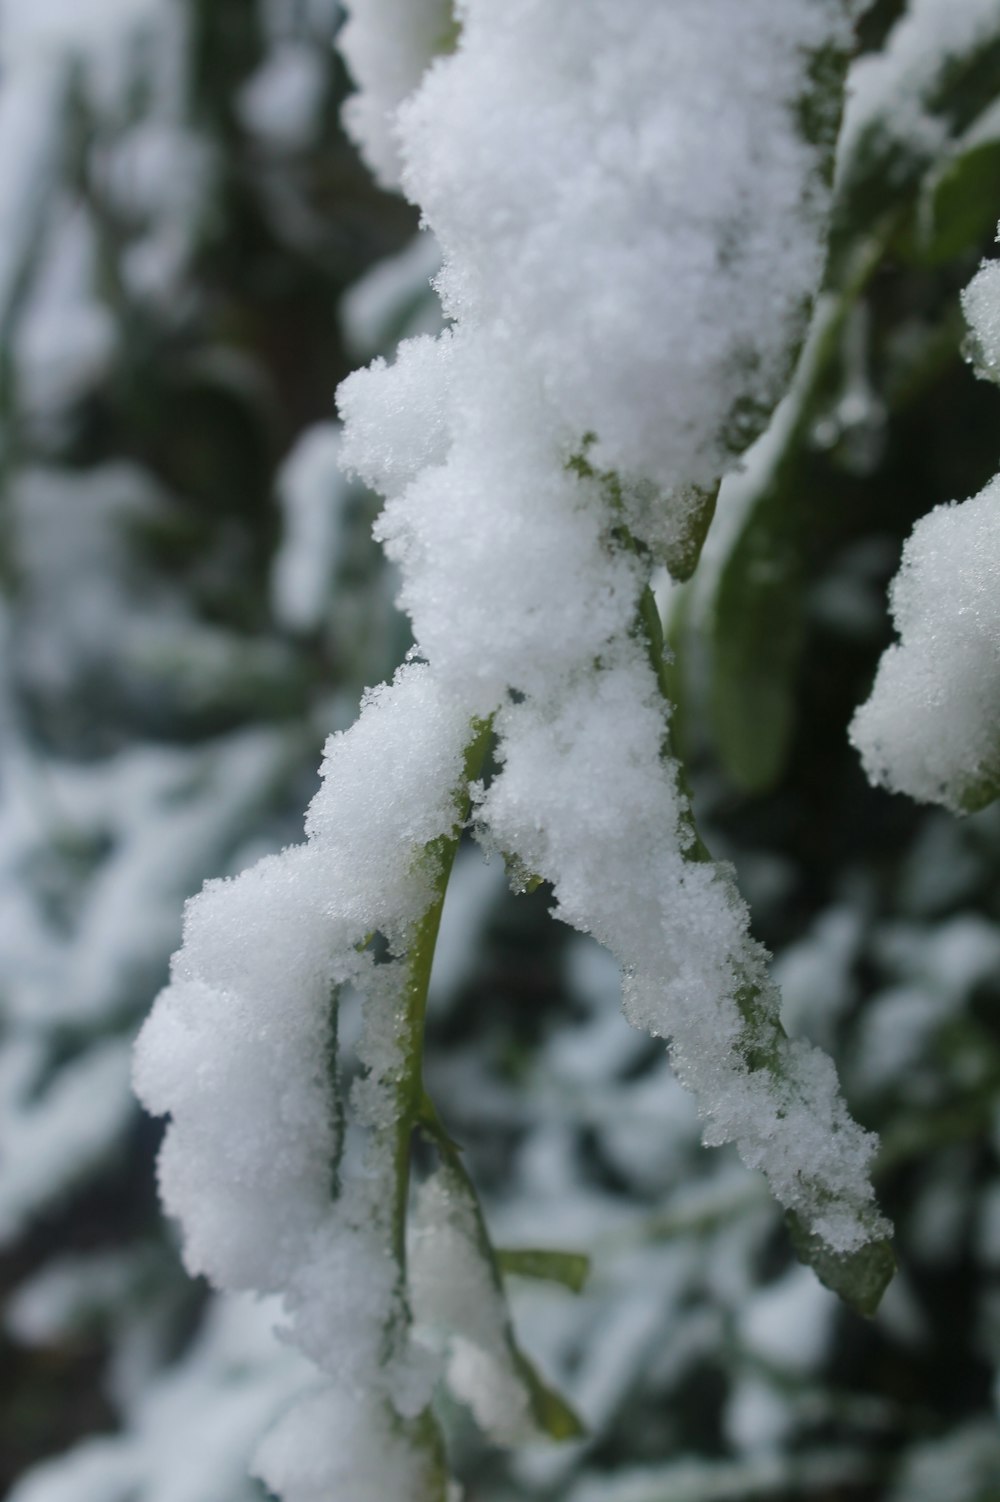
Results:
519 878
451 36
681 557
860 1278
756 602
960 203
890 158
979 792
569 1268
757 637
551 1413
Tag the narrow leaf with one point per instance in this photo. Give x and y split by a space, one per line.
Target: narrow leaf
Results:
551 1413
860 1278
569 1268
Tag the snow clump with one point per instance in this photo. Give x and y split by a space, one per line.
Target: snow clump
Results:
631 222
931 727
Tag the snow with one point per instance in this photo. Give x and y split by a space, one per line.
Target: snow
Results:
231 1382
453 1289
472 891
815 976
239 1051
929 728
499 613
621 300
350 1447
489 444
29 126
393 299
680 930
111 51
981 303
66 338
143 824
51 33
697 1480
54 1140
892 94
788 1323
961 1465
388 45
56 1302
313 494
650 222
934 971
280 103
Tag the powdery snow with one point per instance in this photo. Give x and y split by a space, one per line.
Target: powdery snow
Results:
388 45
631 227
644 168
931 727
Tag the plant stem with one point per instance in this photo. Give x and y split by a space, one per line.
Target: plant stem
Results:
420 960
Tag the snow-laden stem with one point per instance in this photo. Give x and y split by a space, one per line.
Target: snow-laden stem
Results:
764 1027
410 1093
861 1277
651 627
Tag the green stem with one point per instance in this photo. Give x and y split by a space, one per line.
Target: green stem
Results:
420 960
423 1431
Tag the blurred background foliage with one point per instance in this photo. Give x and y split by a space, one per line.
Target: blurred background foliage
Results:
191 257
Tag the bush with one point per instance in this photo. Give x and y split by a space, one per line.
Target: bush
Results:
701 378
